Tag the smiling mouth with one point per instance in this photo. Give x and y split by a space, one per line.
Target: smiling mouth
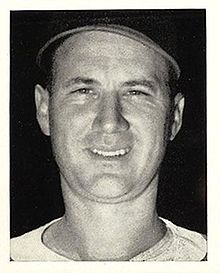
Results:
111 154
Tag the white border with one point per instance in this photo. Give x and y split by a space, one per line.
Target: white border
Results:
213 101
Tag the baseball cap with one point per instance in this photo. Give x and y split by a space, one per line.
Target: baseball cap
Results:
57 40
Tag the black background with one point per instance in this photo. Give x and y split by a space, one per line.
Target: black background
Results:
35 189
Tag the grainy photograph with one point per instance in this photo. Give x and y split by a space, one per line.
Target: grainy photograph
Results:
108 135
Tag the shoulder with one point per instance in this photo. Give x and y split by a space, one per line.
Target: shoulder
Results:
29 246
187 244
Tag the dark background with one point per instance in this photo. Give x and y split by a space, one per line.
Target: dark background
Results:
35 190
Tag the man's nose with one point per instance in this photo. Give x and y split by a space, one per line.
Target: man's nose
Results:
109 117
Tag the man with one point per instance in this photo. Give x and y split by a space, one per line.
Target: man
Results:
110 107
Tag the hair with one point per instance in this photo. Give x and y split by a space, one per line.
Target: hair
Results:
173 82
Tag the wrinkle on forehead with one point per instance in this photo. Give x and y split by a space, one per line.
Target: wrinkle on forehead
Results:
108 49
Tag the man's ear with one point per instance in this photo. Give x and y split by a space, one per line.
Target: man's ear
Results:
42 107
179 102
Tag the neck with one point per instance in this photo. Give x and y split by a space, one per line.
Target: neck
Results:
99 231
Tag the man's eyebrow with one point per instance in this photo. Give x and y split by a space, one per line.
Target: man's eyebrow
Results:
80 80
147 83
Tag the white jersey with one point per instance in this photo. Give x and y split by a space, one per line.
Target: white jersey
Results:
178 244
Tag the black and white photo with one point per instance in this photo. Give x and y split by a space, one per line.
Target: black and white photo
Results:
108 135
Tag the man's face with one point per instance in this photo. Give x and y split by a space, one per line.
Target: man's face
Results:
108 115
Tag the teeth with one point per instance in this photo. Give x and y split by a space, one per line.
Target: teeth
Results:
111 153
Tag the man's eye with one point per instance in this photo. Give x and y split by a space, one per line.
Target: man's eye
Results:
83 94
137 93
83 91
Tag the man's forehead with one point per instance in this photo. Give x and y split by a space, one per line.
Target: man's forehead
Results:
104 31
96 52
101 43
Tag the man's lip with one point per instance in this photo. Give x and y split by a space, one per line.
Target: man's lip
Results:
110 153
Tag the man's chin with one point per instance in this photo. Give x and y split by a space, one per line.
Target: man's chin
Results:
108 189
